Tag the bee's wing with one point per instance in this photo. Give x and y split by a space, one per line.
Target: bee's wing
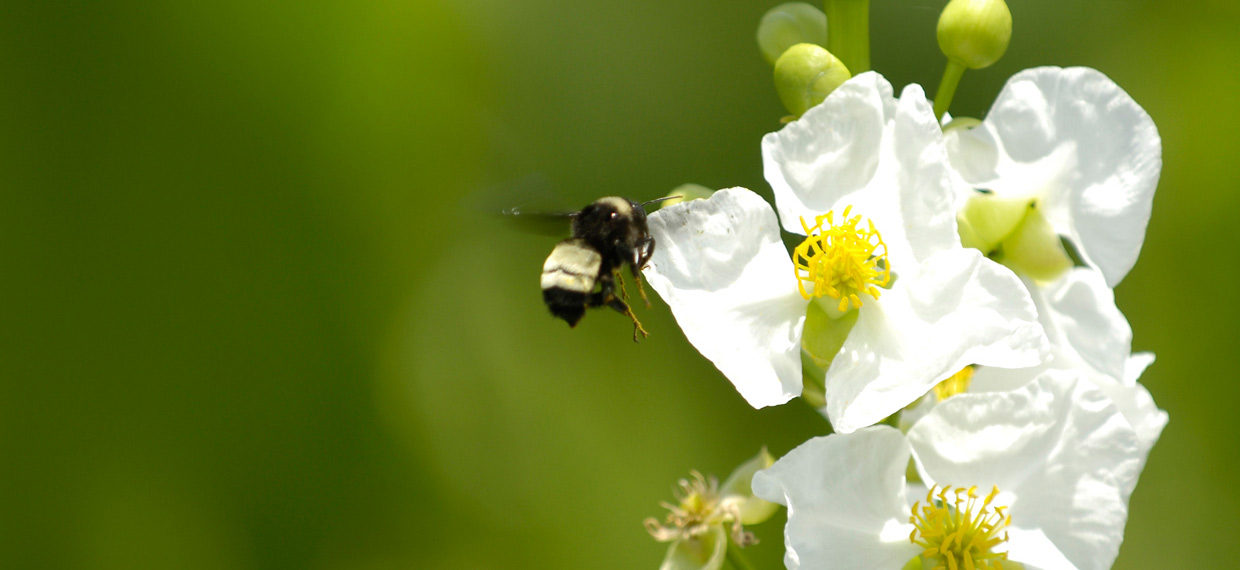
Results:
536 222
525 204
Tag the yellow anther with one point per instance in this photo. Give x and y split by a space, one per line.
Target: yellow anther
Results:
959 530
957 383
841 260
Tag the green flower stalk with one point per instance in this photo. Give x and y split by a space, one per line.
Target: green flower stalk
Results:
973 34
848 32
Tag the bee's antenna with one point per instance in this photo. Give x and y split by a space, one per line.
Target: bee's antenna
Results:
660 200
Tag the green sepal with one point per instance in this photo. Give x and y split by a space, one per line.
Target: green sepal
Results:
986 220
790 24
813 382
738 488
703 552
825 333
805 74
1035 250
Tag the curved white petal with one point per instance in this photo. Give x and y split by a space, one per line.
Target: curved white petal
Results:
1132 399
1136 403
957 308
721 267
863 148
845 499
995 379
1082 322
1065 461
1081 145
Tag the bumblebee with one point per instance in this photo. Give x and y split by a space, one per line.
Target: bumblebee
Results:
585 270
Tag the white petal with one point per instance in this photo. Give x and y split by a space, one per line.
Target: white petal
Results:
1081 144
995 379
1136 403
1082 322
721 267
1063 457
864 149
957 308
1133 400
845 499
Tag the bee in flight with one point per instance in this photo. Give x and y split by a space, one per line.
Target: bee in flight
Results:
584 271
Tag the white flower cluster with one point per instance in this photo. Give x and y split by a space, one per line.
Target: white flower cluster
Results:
1025 428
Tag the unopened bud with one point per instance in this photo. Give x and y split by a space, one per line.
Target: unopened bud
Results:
684 193
790 24
975 32
805 74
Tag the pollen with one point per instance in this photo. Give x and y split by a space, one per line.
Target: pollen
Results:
957 529
841 260
957 383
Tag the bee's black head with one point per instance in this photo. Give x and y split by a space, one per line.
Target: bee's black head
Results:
610 223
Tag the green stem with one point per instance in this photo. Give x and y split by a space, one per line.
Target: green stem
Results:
737 558
848 33
947 88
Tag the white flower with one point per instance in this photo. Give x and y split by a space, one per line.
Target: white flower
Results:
1051 466
1090 336
1074 142
924 306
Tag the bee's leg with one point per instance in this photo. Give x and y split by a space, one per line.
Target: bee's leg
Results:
606 297
618 278
645 249
620 306
641 290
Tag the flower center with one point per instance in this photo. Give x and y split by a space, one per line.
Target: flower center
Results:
957 383
841 260
696 509
954 530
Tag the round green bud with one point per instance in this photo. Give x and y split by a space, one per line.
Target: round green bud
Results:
684 193
805 74
975 32
790 24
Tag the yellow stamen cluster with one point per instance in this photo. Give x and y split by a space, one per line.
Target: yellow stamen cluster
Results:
957 383
842 260
956 532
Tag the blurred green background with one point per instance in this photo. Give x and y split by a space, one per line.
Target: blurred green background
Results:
252 316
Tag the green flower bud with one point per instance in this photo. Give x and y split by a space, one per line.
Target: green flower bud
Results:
684 193
790 24
805 74
975 32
